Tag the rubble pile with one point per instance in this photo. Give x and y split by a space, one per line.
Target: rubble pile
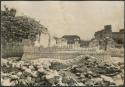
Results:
22 74
57 65
29 73
90 72
83 71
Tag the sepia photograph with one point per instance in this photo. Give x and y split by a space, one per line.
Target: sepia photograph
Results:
62 43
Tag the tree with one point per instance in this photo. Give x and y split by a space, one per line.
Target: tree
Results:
106 40
17 28
7 12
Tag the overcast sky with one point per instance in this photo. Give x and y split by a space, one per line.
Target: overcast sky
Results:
81 18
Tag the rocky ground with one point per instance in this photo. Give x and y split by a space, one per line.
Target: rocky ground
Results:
81 71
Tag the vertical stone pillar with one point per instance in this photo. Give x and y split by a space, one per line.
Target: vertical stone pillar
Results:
28 49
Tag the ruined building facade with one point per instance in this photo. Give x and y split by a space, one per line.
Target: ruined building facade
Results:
68 41
118 38
105 38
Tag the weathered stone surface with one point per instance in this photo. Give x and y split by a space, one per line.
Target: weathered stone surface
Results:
106 78
40 73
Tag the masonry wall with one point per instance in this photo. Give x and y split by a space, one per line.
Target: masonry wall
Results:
114 39
106 32
118 37
14 49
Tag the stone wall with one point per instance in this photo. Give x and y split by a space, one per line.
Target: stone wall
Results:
107 39
14 49
106 32
118 37
31 52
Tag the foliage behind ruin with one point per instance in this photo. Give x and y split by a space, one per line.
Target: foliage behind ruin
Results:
16 28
